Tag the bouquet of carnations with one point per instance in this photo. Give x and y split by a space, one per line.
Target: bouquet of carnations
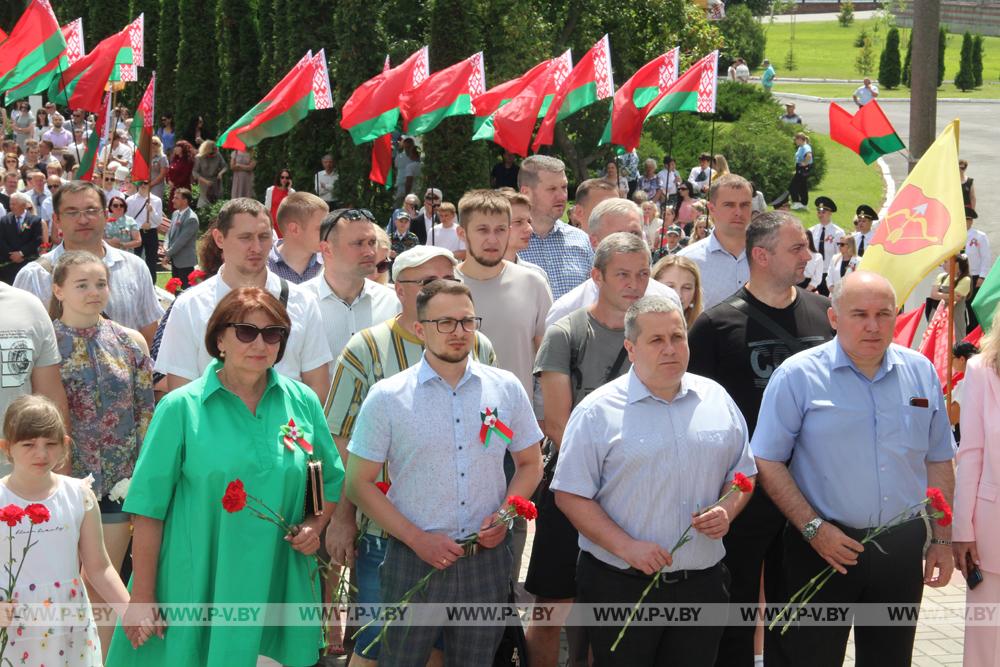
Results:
12 515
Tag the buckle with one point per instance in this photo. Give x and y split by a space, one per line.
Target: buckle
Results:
470 549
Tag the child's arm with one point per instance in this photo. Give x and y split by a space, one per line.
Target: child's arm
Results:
94 557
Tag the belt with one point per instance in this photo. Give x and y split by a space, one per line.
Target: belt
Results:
672 577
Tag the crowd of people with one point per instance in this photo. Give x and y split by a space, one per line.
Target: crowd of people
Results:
641 349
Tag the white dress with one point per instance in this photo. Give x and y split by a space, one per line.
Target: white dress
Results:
51 578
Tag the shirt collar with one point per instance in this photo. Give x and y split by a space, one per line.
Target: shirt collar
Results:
715 246
111 255
840 359
637 390
425 373
403 333
213 384
325 291
556 229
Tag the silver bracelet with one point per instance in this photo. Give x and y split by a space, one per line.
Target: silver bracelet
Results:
944 543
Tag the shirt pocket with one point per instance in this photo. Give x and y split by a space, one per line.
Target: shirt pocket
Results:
987 491
916 424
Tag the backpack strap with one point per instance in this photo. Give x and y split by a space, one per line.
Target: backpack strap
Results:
283 297
761 318
579 330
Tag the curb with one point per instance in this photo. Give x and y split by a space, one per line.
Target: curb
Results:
888 100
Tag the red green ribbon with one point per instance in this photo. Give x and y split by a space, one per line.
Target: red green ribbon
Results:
493 426
291 436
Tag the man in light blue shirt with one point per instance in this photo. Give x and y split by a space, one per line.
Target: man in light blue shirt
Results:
447 483
722 256
767 77
864 424
640 456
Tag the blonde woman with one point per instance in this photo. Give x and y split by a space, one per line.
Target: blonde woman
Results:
683 276
845 261
977 496
701 228
721 166
158 167
209 168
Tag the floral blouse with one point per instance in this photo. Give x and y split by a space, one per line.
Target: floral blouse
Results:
109 386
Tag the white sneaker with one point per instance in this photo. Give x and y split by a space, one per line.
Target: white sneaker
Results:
758 660
798 206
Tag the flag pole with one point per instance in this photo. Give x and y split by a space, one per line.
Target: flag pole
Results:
711 171
951 333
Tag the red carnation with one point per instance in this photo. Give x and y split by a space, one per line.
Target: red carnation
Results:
173 285
235 498
742 482
37 513
940 505
524 508
383 487
11 515
196 277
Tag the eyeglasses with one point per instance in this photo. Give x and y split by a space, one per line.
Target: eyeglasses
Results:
74 214
247 333
286 178
432 198
114 205
447 325
383 266
424 282
352 214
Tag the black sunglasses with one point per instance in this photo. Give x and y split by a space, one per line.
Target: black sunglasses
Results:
247 333
352 214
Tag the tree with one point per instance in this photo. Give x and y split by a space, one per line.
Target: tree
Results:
977 59
102 20
846 15
942 45
196 84
167 38
757 7
906 62
744 38
889 68
237 57
965 79
864 63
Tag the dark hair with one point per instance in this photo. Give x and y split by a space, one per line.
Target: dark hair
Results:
233 207
184 192
762 232
116 198
277 176
962 262
431 290
238 304
74 187
964 350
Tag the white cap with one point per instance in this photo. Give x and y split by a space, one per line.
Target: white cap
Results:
417 256
122 174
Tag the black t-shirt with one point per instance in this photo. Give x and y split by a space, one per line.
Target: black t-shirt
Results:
505 177
741 354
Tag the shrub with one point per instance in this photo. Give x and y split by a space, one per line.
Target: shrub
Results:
744 38
906 62
942 45
865 61
846 15
859 41
888 67
977 59
965 79
735 99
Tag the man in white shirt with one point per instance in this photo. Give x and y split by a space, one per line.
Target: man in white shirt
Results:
977 249
243 232
445 233
610 216
60 137
401 163
825 236
147 210
701 176
427 217
40 198
325 181
865 93
864 216
348 301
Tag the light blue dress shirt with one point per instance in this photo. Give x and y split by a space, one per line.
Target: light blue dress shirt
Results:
651 463
444 480
721 273
859 449
565 255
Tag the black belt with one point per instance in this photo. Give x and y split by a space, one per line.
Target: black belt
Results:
673 577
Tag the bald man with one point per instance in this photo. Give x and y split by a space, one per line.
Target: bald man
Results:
863 422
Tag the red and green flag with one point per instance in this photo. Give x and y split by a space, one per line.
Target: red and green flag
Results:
381 171
514 123
590 81
868 132
497 96
35 41
636 96
306 88
136 36
41 80
694 91
442 94
85 172
373 108
81 85
142 133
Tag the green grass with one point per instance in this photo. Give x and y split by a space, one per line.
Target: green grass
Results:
990 90
826 50
848 182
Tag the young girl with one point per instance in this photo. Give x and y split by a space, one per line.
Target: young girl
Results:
35 441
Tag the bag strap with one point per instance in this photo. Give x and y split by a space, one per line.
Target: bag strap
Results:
761 318
617 366
283 297
578 326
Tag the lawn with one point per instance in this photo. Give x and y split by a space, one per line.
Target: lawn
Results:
848 182
990 90
826 50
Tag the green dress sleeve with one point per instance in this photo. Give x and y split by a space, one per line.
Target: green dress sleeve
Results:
159 466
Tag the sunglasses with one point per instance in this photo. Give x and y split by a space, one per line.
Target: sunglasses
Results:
352 214
247 333
383 266
841 245
113 205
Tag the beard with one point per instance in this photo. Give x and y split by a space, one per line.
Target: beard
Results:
484 261
449 355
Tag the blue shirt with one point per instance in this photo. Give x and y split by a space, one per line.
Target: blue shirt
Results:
565 255
767 78
276 263
800 153
444 479
859 449
721 273
650 463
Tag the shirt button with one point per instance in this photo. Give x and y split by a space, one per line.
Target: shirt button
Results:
462 474
463 502
454 393
885 497
460 446
457 420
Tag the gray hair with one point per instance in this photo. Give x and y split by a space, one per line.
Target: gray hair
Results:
609 207
528 176
21 197
649 161
837 293
618 243
647 304
762 232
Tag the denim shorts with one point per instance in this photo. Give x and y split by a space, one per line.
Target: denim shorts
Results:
111 511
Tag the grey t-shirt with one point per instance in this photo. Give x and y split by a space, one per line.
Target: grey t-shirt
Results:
601 350
27 340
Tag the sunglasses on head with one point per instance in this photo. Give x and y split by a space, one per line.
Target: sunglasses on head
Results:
352 214
247 333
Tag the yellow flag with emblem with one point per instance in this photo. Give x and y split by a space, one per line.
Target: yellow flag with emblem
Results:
925 223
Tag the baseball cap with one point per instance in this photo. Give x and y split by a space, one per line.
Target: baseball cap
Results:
674 229
418 255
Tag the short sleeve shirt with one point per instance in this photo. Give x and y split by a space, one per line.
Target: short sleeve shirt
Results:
376 303
27 341
121 228
601 348
565 254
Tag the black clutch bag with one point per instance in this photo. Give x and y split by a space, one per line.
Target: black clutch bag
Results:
314 488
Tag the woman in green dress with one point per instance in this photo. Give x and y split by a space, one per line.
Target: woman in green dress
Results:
187 550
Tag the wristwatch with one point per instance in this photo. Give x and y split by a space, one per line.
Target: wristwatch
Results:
810 529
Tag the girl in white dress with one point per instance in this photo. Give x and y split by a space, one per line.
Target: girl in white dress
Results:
36 443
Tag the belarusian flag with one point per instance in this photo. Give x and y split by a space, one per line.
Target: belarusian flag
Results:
304 89
35 41
40 81
443 94
694 91
381 171
589 82
136 35
81 86
497 96
85 172
514 122
373 108
868 132
987 297
142 133
634 98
